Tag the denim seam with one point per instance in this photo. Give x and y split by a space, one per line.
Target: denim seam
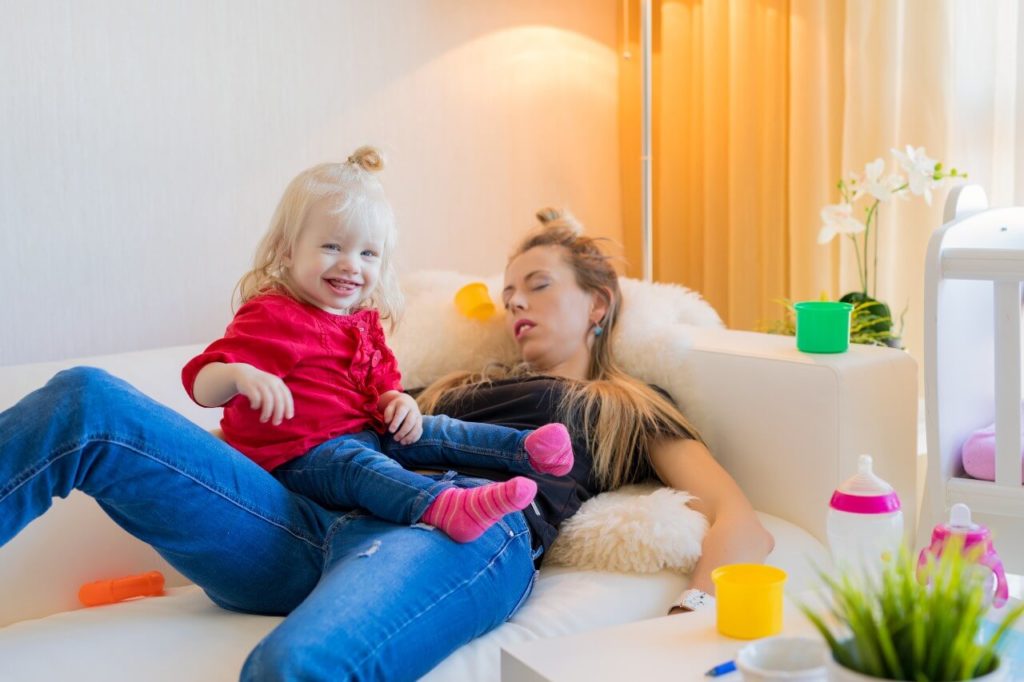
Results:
520 456
337 525
56 454
427 497
505 545
526 595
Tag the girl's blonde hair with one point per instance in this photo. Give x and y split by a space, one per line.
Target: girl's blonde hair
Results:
621 416
359 199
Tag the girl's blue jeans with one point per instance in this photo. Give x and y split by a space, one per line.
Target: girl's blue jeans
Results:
366 469
366 599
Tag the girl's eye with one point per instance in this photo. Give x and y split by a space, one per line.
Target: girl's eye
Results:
331 247
541 286
368 253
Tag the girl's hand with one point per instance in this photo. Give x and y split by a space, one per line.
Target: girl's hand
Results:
402 416
265 392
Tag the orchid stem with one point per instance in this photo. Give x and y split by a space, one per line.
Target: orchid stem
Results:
872 216
860 268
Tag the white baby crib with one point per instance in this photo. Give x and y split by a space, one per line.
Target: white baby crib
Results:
972 357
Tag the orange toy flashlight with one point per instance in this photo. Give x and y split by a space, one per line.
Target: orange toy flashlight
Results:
110 591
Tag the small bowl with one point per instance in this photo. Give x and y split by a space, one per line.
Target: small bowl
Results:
796 659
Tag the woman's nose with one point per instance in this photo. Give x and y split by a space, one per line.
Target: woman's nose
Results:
516 302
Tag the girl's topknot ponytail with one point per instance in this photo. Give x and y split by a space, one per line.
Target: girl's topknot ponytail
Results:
368 158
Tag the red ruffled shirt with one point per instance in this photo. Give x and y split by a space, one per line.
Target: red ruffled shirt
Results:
336 367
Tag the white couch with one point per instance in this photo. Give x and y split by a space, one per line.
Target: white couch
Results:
787 425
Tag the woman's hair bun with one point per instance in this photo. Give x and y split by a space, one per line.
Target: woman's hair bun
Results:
559 219
368 158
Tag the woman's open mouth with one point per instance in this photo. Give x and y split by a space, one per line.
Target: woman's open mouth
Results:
522 327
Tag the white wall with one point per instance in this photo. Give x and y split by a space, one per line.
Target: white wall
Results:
144 145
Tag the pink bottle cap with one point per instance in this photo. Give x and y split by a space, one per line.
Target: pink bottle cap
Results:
865 493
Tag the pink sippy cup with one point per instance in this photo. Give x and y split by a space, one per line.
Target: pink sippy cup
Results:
973 534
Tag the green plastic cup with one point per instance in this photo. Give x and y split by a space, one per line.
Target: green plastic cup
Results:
823 326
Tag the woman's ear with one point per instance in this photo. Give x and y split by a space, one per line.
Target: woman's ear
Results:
600 302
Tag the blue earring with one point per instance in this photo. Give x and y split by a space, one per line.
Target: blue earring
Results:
598 330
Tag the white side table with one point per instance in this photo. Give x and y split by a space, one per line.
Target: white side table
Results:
676 648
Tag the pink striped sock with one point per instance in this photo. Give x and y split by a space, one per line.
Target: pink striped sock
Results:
465 513
550 450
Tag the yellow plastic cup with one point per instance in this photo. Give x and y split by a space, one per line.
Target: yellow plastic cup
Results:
748 600
474 301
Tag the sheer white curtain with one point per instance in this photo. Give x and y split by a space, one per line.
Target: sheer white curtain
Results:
942 74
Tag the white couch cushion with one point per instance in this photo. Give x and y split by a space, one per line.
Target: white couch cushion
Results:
183 636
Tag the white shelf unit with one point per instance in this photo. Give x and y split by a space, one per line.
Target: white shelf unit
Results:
972 352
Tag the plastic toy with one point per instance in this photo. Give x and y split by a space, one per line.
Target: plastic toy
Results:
110 591
474 301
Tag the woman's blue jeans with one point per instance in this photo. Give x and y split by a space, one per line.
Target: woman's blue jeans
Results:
366 469
366 599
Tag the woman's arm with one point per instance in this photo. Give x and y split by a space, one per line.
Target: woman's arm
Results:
735 535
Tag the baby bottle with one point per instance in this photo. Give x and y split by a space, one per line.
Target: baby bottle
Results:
973 534
865 523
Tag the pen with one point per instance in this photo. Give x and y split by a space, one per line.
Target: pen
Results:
722 669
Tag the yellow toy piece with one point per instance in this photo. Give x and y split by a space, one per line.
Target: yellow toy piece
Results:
474 301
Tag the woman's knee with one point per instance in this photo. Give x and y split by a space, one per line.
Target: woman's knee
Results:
83 380
92 395
283 658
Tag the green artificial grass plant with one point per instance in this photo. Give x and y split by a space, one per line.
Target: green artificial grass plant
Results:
870 323
905 626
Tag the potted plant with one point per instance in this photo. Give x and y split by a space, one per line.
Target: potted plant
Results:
863 194
910 624
870 190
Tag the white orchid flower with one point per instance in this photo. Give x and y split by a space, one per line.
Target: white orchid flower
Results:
920 171
877 186
838 219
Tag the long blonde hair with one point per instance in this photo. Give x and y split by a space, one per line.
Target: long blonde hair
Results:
621 416
360 200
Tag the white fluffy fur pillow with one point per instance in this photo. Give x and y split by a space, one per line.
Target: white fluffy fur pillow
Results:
434 339
636 528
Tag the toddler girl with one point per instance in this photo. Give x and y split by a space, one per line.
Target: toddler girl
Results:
312 393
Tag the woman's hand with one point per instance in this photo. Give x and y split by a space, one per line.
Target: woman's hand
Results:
265 391
402 416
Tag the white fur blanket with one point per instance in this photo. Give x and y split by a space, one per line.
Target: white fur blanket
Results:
431 329
636 528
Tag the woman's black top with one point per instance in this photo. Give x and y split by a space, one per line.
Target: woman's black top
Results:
529 403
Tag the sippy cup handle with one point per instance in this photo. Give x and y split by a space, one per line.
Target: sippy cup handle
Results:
992 561
922 559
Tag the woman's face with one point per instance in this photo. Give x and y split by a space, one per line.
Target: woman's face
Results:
548 314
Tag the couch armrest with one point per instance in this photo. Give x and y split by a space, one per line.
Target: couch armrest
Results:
789 425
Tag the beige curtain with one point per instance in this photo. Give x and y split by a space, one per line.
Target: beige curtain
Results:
747 130
761 105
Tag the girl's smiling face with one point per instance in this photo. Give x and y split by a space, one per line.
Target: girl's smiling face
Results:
335 266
